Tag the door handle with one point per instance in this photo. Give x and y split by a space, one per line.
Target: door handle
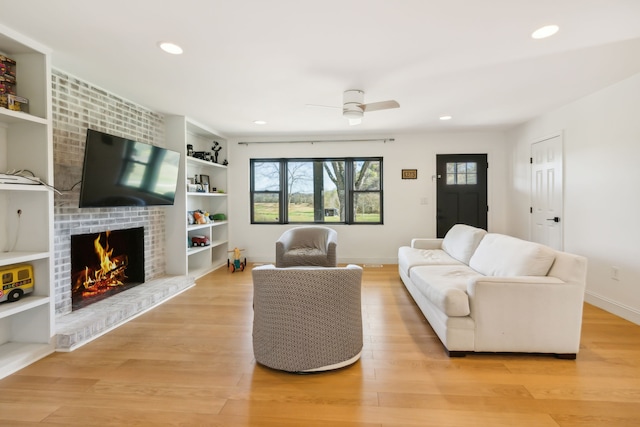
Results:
554 219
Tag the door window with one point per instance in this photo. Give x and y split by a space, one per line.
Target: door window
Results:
462 173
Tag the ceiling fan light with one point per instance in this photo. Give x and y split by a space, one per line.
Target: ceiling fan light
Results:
352 112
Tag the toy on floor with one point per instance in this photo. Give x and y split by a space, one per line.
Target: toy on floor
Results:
236 264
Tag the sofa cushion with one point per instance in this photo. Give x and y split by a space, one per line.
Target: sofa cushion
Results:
501 255
411 257
445 286
461 241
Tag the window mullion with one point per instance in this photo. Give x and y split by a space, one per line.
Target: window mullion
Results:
318 191
284 191
348 184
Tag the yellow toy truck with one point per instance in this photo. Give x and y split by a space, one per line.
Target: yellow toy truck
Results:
17 280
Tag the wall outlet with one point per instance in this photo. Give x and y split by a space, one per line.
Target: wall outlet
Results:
615 273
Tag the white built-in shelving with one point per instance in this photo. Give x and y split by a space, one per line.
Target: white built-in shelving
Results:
26 211
182 257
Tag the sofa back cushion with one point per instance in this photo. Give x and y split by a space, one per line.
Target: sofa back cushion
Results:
461 241
501 255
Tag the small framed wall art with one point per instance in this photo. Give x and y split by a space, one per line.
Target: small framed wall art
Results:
409 173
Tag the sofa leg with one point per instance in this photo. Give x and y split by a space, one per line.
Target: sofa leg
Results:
566 356
456 353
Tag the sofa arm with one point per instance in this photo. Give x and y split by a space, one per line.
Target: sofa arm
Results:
426 243
526 314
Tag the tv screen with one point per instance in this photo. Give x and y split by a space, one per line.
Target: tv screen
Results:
122 172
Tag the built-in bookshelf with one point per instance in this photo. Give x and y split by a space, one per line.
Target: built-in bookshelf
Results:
26 210
183 257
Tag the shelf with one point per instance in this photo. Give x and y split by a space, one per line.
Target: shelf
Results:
17 355
201 226
201 162
10 116
192 193
214 244
25 303
23 187
7 258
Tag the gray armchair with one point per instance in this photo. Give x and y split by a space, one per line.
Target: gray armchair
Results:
307 245
307 319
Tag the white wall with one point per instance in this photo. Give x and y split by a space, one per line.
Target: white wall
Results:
601 180
404 215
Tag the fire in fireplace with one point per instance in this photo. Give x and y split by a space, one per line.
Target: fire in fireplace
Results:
104 264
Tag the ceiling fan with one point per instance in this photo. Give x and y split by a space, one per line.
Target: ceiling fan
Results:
353 106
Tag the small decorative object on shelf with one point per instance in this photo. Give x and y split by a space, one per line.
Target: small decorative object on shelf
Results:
17 280
17 103
216 147
200 241
204 181
190 150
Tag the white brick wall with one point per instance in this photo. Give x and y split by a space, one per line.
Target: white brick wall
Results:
78 105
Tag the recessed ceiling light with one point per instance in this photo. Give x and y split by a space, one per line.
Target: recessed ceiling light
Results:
544 32
171 48
259 122
446 117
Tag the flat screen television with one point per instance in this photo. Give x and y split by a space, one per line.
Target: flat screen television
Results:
121 172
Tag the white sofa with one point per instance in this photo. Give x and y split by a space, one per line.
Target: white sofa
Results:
488 292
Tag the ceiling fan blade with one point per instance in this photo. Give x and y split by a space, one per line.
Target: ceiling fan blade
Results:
382 105
322 106
353 122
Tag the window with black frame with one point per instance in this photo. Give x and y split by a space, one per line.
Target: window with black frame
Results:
329 190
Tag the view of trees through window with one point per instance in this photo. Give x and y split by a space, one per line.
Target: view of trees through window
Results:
316 190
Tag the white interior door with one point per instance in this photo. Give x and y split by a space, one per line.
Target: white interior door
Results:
547 192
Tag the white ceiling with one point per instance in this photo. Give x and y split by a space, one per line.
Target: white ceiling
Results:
246 60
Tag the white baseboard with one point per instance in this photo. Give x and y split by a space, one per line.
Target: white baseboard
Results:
628 313
358 261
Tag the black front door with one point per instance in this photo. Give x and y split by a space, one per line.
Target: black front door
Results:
461 191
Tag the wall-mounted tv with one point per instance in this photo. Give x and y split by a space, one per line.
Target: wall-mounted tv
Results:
121 172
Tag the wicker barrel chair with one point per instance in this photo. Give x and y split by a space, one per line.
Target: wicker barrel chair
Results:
307 245
307 319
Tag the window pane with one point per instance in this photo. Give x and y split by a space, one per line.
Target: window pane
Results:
451 168
451 179
461 167
472 167
366 175
472 178
300 185
266 176
366 207
333 193
461 179
266 207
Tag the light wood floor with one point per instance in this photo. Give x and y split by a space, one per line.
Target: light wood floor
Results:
189 362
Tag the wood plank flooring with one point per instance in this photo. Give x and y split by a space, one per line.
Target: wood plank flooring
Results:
189 362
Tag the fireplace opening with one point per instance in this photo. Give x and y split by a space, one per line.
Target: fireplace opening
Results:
104 264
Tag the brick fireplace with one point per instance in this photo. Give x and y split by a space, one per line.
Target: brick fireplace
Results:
78 105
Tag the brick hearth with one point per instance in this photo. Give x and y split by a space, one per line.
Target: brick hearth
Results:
84 325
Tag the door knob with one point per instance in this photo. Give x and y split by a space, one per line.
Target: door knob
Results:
554 219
